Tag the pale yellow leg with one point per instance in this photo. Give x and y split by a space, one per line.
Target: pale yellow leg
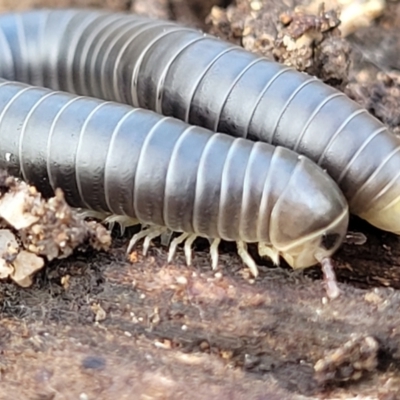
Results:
151 232
86 213
188 248
246 257
172 248
122 220
214 253
268 251
136 238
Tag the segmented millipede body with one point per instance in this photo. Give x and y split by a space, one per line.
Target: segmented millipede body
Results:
112 158
181 72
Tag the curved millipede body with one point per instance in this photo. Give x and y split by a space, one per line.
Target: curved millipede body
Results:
181 72
111 158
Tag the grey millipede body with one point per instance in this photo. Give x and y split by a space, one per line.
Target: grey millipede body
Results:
166 174
181 72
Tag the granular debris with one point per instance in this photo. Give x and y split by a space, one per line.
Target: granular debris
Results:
349 361
313 44
40 228
381 98
354 14
309 42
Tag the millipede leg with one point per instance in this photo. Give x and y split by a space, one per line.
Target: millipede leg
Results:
86 213
268 251
214 253
172 248
122 220
136 238
147 233
153 232
246 257
188 248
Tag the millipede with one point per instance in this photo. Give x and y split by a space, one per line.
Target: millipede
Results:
180 130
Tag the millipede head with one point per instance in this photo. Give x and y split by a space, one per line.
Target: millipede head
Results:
317 246
308 226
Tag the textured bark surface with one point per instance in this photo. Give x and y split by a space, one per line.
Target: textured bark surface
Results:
101 327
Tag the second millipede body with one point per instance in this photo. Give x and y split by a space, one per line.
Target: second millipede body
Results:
181 72
112 158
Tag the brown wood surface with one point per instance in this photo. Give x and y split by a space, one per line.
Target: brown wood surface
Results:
97 326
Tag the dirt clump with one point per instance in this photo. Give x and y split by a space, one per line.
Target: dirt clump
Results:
37 229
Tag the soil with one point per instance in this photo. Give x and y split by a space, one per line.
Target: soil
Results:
99 326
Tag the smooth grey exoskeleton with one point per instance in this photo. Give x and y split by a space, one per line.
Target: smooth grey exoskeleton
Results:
166 174
180 72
